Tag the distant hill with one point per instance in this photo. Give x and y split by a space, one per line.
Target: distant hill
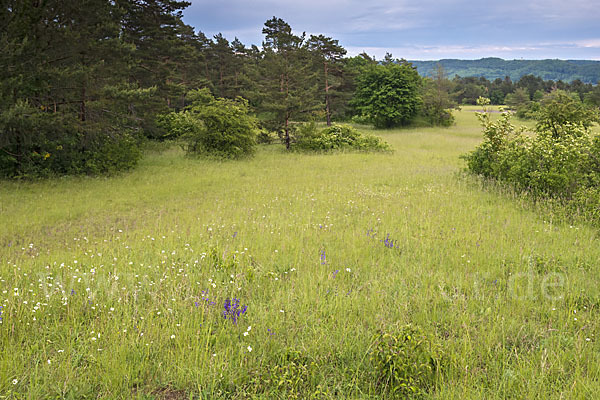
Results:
587 71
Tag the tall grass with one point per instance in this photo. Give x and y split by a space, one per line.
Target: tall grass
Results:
115 287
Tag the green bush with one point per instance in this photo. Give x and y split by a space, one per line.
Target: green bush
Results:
213 126
529 110
291 374
561 161
35 143
560 111
437 103
337 137
407 362
388 95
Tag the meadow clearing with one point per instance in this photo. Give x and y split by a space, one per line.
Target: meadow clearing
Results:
116 287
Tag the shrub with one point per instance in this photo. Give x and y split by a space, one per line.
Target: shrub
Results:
560 111
214 126
337 137
35 143
437 103
406 362
291 374
528 111
561 161
176 125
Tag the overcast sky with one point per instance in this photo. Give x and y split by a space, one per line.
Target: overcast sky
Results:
419 30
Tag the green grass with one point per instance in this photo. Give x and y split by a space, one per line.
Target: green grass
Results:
102 279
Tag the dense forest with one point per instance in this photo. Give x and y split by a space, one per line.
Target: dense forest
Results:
586 71
84 85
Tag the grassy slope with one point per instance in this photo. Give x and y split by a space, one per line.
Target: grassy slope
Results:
118 266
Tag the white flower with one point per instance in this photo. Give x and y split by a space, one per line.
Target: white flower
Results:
249 349
14 382
245 333
172 336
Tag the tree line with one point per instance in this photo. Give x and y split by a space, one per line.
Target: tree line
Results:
84 83
468 89
587 71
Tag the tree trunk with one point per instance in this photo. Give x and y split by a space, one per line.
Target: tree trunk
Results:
287 113
221 80
287 132
327 109
82 110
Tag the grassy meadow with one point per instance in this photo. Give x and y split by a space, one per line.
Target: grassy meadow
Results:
114 287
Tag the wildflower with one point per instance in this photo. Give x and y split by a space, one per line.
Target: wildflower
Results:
233 309
389 243
15 381
335 273
172 336
249 349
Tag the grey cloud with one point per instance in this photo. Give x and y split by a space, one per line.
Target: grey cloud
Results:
509 24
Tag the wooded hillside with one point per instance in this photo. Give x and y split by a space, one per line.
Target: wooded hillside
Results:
587 71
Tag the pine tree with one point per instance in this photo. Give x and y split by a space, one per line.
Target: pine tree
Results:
329 54
288 87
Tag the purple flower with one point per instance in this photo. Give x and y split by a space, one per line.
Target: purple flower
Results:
233 309
390 243
335 273
206 299
323 257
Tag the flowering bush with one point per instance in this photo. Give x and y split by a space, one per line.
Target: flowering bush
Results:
562 162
